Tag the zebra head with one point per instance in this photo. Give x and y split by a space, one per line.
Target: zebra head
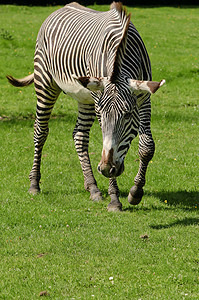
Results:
115 112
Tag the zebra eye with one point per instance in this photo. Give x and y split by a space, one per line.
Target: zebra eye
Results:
127 115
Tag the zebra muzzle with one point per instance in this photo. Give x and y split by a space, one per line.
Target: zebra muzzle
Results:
108 166
110 171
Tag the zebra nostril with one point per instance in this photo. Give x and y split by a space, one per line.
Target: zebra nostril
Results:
112 170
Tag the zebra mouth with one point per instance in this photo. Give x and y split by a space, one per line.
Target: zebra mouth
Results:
111 171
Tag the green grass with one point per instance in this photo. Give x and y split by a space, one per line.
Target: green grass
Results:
60 241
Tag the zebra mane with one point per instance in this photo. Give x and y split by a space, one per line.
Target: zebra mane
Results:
118 6
120 49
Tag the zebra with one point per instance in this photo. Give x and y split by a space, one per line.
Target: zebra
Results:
99 59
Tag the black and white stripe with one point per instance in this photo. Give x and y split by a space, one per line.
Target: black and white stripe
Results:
74 44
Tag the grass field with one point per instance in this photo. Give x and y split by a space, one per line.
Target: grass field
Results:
60 242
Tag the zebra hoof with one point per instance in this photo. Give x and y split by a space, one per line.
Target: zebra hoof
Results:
95 194
34 189
135 195
96 197
114 207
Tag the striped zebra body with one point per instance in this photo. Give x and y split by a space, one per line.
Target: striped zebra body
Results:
98 59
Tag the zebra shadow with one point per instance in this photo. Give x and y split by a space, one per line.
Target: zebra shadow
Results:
183 222
186 200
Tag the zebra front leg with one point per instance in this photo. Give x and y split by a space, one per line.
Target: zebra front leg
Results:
146 151
86 117
113 191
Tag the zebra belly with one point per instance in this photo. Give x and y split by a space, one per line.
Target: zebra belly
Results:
76 91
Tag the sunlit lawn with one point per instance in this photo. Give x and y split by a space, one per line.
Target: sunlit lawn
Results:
62 243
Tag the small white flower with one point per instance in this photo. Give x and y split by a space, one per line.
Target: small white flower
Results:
111 278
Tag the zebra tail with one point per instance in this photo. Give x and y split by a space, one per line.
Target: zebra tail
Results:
21 82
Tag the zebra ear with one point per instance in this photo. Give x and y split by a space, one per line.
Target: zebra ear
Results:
92 83
148 86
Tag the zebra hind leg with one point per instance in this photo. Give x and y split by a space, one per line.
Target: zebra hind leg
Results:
146 151
115 204
46 97
86 117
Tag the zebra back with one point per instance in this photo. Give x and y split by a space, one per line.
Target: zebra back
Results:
80 41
